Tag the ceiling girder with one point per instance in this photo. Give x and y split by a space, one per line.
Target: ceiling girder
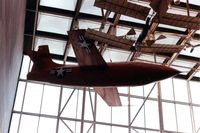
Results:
193 71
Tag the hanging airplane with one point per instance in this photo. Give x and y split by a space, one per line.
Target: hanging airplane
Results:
141 12
127 44
93 71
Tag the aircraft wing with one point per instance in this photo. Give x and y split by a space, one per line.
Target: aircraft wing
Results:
126 44
88 55
124 7
109 95
85 50
111 40
179 21
161 48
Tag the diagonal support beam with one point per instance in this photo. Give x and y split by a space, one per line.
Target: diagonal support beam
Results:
73 24
193 71
183 42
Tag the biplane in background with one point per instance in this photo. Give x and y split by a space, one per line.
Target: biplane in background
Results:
93 71
159 15
141 12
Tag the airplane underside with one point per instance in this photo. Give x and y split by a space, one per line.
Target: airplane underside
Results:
117 74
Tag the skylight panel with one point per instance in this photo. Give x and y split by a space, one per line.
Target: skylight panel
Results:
183 70
62 4
115 55
71 51
131 19
55 46
172 40
197 74
122 31
198 32
85 24
151 58
181 63
194 2
172 27
195 52
181 12
89 8
54 23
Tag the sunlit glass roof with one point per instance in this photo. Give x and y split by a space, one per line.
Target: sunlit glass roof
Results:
172 105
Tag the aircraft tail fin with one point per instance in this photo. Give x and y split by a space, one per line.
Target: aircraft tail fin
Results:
41 59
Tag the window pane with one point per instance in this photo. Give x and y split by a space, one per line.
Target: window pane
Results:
120 115
25 67
135 106
167 89
19 96
195 92
73 108
147 89
28 124
63 4
138 90
169 117
47 125
88 107
151 114
115 55
196 117
89 8
53 23
14 123
184 118
180 89
33 98
103 128
119 129
50 100
55 46
103 110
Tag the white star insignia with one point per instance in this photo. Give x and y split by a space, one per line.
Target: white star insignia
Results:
60 72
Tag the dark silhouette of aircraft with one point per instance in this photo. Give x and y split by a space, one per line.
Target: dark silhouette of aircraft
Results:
142 36
93 71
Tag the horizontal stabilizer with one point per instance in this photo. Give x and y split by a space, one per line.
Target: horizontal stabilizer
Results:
109 95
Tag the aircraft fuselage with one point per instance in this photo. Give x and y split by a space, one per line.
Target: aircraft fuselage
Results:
115 74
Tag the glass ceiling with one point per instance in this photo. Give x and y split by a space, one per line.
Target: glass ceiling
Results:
48 108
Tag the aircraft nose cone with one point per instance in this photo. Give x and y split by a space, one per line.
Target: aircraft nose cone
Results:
167 72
